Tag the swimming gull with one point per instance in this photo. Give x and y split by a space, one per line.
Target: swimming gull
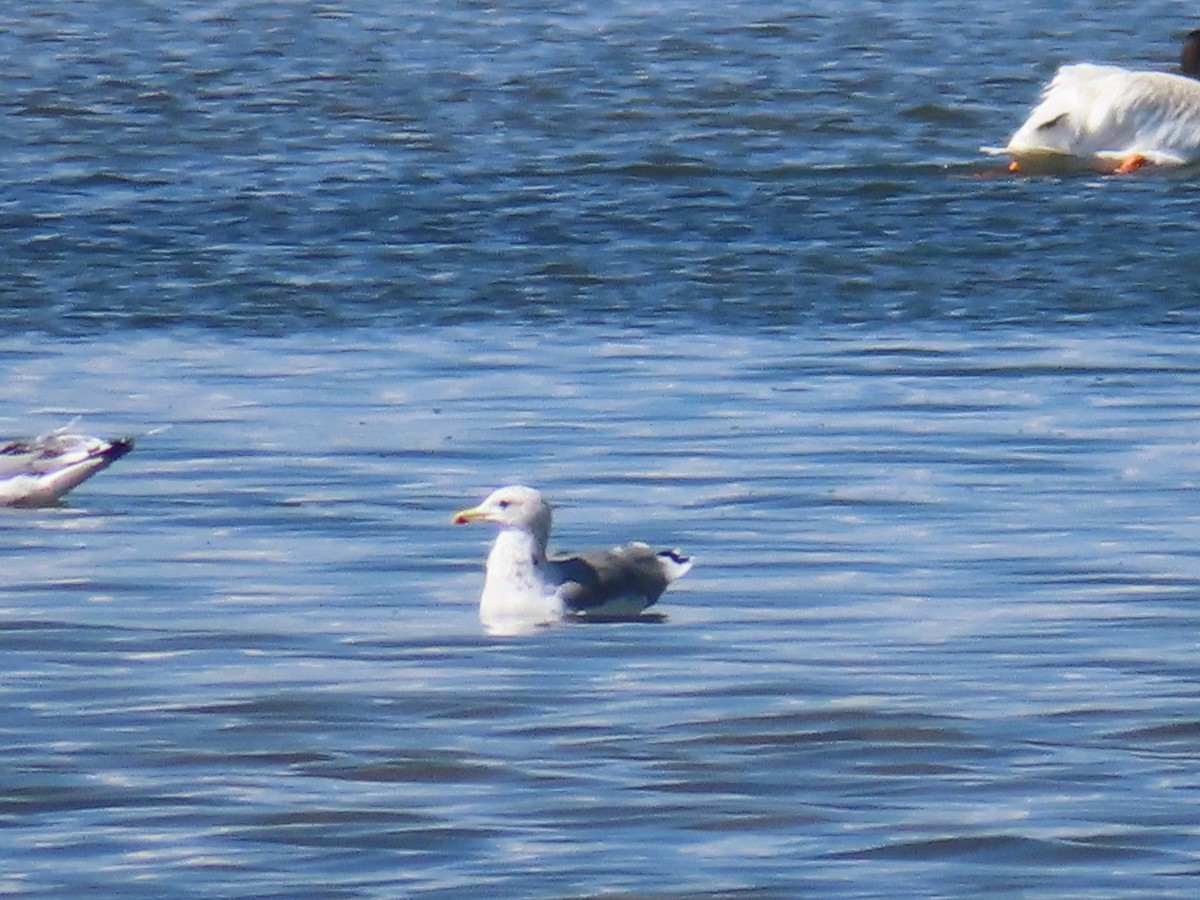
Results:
38 471
524 587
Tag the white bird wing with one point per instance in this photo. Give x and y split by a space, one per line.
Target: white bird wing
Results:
1106 112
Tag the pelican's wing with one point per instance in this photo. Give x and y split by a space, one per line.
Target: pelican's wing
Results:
1110 118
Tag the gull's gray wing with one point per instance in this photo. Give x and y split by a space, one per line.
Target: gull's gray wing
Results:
616 583
40 470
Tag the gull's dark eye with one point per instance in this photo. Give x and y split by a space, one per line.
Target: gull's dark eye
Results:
504 504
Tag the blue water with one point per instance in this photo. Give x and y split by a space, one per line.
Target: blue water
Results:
734 279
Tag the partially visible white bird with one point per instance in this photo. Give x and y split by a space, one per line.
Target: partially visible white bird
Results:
38 471
524 588
1112 120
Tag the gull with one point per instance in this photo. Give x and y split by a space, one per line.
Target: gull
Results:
524 588
38 471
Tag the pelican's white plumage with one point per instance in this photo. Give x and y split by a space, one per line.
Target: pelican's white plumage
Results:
38 471
524 588
1109 119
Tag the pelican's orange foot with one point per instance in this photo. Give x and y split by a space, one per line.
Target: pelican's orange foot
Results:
1014 167
1131 163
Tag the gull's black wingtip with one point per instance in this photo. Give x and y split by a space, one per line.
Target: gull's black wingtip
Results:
117 448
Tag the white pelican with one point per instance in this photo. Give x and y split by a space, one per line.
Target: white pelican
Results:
1112 120
38 471
524 588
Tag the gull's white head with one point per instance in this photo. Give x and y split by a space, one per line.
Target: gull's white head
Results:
514 506
516 595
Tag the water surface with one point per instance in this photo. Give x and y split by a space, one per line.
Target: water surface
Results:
729 279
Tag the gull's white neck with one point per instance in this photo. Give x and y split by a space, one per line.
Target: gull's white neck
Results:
515 592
